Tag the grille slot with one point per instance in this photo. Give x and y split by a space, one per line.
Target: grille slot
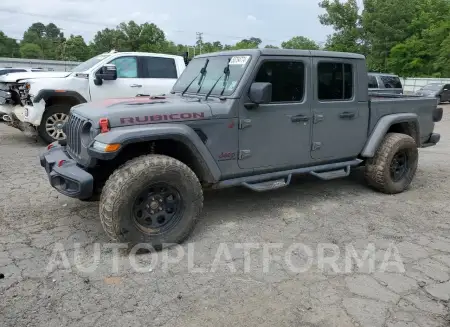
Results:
73 134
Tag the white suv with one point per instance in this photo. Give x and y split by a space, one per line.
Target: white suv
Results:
41 102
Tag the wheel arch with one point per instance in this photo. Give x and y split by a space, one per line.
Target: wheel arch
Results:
175 140
405 123
52 97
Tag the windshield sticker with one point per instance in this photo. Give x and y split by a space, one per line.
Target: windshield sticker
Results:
239 60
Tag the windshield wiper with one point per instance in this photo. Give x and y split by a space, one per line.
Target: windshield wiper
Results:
202 73
226 72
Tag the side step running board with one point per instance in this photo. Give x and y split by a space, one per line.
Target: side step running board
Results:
329 175
282 178
269 185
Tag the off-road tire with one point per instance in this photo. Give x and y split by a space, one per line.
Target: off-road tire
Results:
124 185
51 110
377 169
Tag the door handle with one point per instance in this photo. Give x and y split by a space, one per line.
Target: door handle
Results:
135 85
299 118
347 115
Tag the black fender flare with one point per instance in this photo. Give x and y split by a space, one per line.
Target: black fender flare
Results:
381 128
47 94
152 132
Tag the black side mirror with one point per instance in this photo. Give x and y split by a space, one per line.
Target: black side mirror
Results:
107 73
260 93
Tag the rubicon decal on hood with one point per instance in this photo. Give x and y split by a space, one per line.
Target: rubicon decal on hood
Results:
159 118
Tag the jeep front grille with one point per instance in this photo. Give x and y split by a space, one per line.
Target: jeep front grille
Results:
73 135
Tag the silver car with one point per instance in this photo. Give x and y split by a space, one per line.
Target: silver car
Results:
437 90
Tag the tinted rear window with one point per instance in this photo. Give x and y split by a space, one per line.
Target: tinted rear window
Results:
159 67
391 82
373 82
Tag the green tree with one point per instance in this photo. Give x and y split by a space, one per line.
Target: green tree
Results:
424 52
270 46
31 51
300 42
348 34
386 23
8 46
251 43
107 40
74 49
47 37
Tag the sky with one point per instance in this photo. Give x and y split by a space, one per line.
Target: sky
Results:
226 21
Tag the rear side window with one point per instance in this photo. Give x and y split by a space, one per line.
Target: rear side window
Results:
373 82
391 82
335 81
158 67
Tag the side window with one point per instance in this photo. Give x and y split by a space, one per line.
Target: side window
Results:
287 78
391 82
447 87
373 82
126 67
335 81
158 67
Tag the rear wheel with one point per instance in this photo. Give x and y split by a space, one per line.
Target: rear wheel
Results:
394 165
151 199
53 119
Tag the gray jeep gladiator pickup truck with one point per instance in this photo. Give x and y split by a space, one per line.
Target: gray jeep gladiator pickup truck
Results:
249 118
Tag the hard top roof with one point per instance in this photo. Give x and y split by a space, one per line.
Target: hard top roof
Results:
285 52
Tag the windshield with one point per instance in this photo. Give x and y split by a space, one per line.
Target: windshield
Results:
214 71
89 63
432 87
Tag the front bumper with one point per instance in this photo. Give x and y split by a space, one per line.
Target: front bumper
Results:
33 114
65 175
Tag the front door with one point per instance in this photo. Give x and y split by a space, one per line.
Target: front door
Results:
277 134
127 84
340 121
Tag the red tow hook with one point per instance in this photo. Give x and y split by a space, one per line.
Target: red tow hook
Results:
104 125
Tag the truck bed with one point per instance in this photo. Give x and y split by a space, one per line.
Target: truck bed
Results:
385 104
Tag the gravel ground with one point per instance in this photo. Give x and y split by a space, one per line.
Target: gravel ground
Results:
58 268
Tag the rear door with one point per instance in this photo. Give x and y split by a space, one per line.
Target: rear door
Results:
340 121
159 74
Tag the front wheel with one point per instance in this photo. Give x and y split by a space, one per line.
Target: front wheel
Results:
53 119
394 165
151 199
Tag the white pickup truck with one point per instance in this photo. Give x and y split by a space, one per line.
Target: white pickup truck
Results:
39 103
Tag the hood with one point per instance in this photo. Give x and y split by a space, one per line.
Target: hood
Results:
15 77
145 110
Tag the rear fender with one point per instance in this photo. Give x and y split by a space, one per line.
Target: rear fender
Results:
382 127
